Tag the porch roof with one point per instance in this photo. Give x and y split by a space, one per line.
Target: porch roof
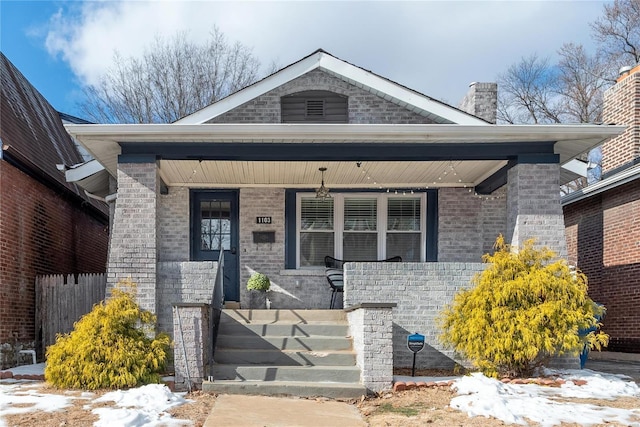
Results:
290 154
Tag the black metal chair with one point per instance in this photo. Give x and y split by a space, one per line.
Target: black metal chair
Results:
335 277
335 273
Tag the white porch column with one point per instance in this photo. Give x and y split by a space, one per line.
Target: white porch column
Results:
533 206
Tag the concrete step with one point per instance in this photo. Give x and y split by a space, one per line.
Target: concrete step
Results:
283 316
232 327
338 374
293 388
284 357
282 343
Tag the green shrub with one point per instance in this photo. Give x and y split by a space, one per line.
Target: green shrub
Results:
109 347
526 307
258 282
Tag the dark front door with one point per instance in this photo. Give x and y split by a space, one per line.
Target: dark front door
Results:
215 229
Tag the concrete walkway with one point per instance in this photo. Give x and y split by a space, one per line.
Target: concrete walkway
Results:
615 363
265 411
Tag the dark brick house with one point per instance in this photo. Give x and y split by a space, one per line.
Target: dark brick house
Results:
46 224
603 220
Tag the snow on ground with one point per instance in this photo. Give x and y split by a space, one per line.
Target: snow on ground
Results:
142 406
512 403
477 395
15 396
137 407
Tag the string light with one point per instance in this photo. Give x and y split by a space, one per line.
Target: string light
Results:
449 171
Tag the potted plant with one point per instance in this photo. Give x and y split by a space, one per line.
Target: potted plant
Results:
258 285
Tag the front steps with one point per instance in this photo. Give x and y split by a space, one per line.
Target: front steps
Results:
285 352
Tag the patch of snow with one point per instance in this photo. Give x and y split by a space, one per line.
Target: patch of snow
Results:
137 407
13 394
515 403
37 369
142 406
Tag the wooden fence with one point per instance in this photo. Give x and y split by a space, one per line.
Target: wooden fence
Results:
63 300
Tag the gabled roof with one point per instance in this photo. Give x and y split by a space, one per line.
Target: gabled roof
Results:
33 136
371 82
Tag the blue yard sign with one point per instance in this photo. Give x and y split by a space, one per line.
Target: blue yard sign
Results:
415 343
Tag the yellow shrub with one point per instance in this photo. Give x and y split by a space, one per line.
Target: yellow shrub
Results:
526 307
110 347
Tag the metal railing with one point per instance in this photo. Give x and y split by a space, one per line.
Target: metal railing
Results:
217 303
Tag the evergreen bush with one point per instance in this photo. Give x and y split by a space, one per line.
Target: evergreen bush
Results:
524 308
110 347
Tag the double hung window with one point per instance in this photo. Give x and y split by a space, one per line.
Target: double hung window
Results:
360 226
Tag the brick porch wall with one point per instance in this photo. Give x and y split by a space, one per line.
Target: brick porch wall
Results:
420 290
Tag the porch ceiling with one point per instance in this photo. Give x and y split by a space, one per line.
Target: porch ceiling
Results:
305 174
441 146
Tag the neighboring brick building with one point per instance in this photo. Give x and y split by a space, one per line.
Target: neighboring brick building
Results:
47 226
409 176
603 220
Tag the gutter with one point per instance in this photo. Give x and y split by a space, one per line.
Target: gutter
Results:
107 199
609 183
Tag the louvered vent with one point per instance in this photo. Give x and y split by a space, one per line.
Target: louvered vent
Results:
315 107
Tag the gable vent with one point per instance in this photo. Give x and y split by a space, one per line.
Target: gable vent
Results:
315 107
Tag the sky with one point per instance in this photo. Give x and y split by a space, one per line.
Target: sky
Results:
435 47
477 395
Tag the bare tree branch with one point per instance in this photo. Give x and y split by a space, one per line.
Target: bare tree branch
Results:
174 78
618 33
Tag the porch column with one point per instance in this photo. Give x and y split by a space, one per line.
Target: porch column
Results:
533 206
132 244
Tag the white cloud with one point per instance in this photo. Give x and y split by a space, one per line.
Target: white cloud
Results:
434 47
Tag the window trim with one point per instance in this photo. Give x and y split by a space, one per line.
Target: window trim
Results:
382 214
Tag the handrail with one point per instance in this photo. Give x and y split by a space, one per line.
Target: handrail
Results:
217 303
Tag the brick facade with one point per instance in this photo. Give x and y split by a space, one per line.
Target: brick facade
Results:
42 231
132 250
534 209
481 100
622 106
603 237
468 225
603 229
364 107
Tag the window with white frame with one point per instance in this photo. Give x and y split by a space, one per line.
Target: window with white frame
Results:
360 226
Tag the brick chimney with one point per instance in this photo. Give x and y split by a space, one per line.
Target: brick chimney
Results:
481 100
622 107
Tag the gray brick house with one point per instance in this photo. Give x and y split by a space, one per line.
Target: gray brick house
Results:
408 175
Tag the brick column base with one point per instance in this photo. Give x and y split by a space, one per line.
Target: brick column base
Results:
371 327
191 344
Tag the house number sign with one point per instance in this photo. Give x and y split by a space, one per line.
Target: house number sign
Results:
263 220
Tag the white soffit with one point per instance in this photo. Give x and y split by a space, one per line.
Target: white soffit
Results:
576 166
102 141
421 104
